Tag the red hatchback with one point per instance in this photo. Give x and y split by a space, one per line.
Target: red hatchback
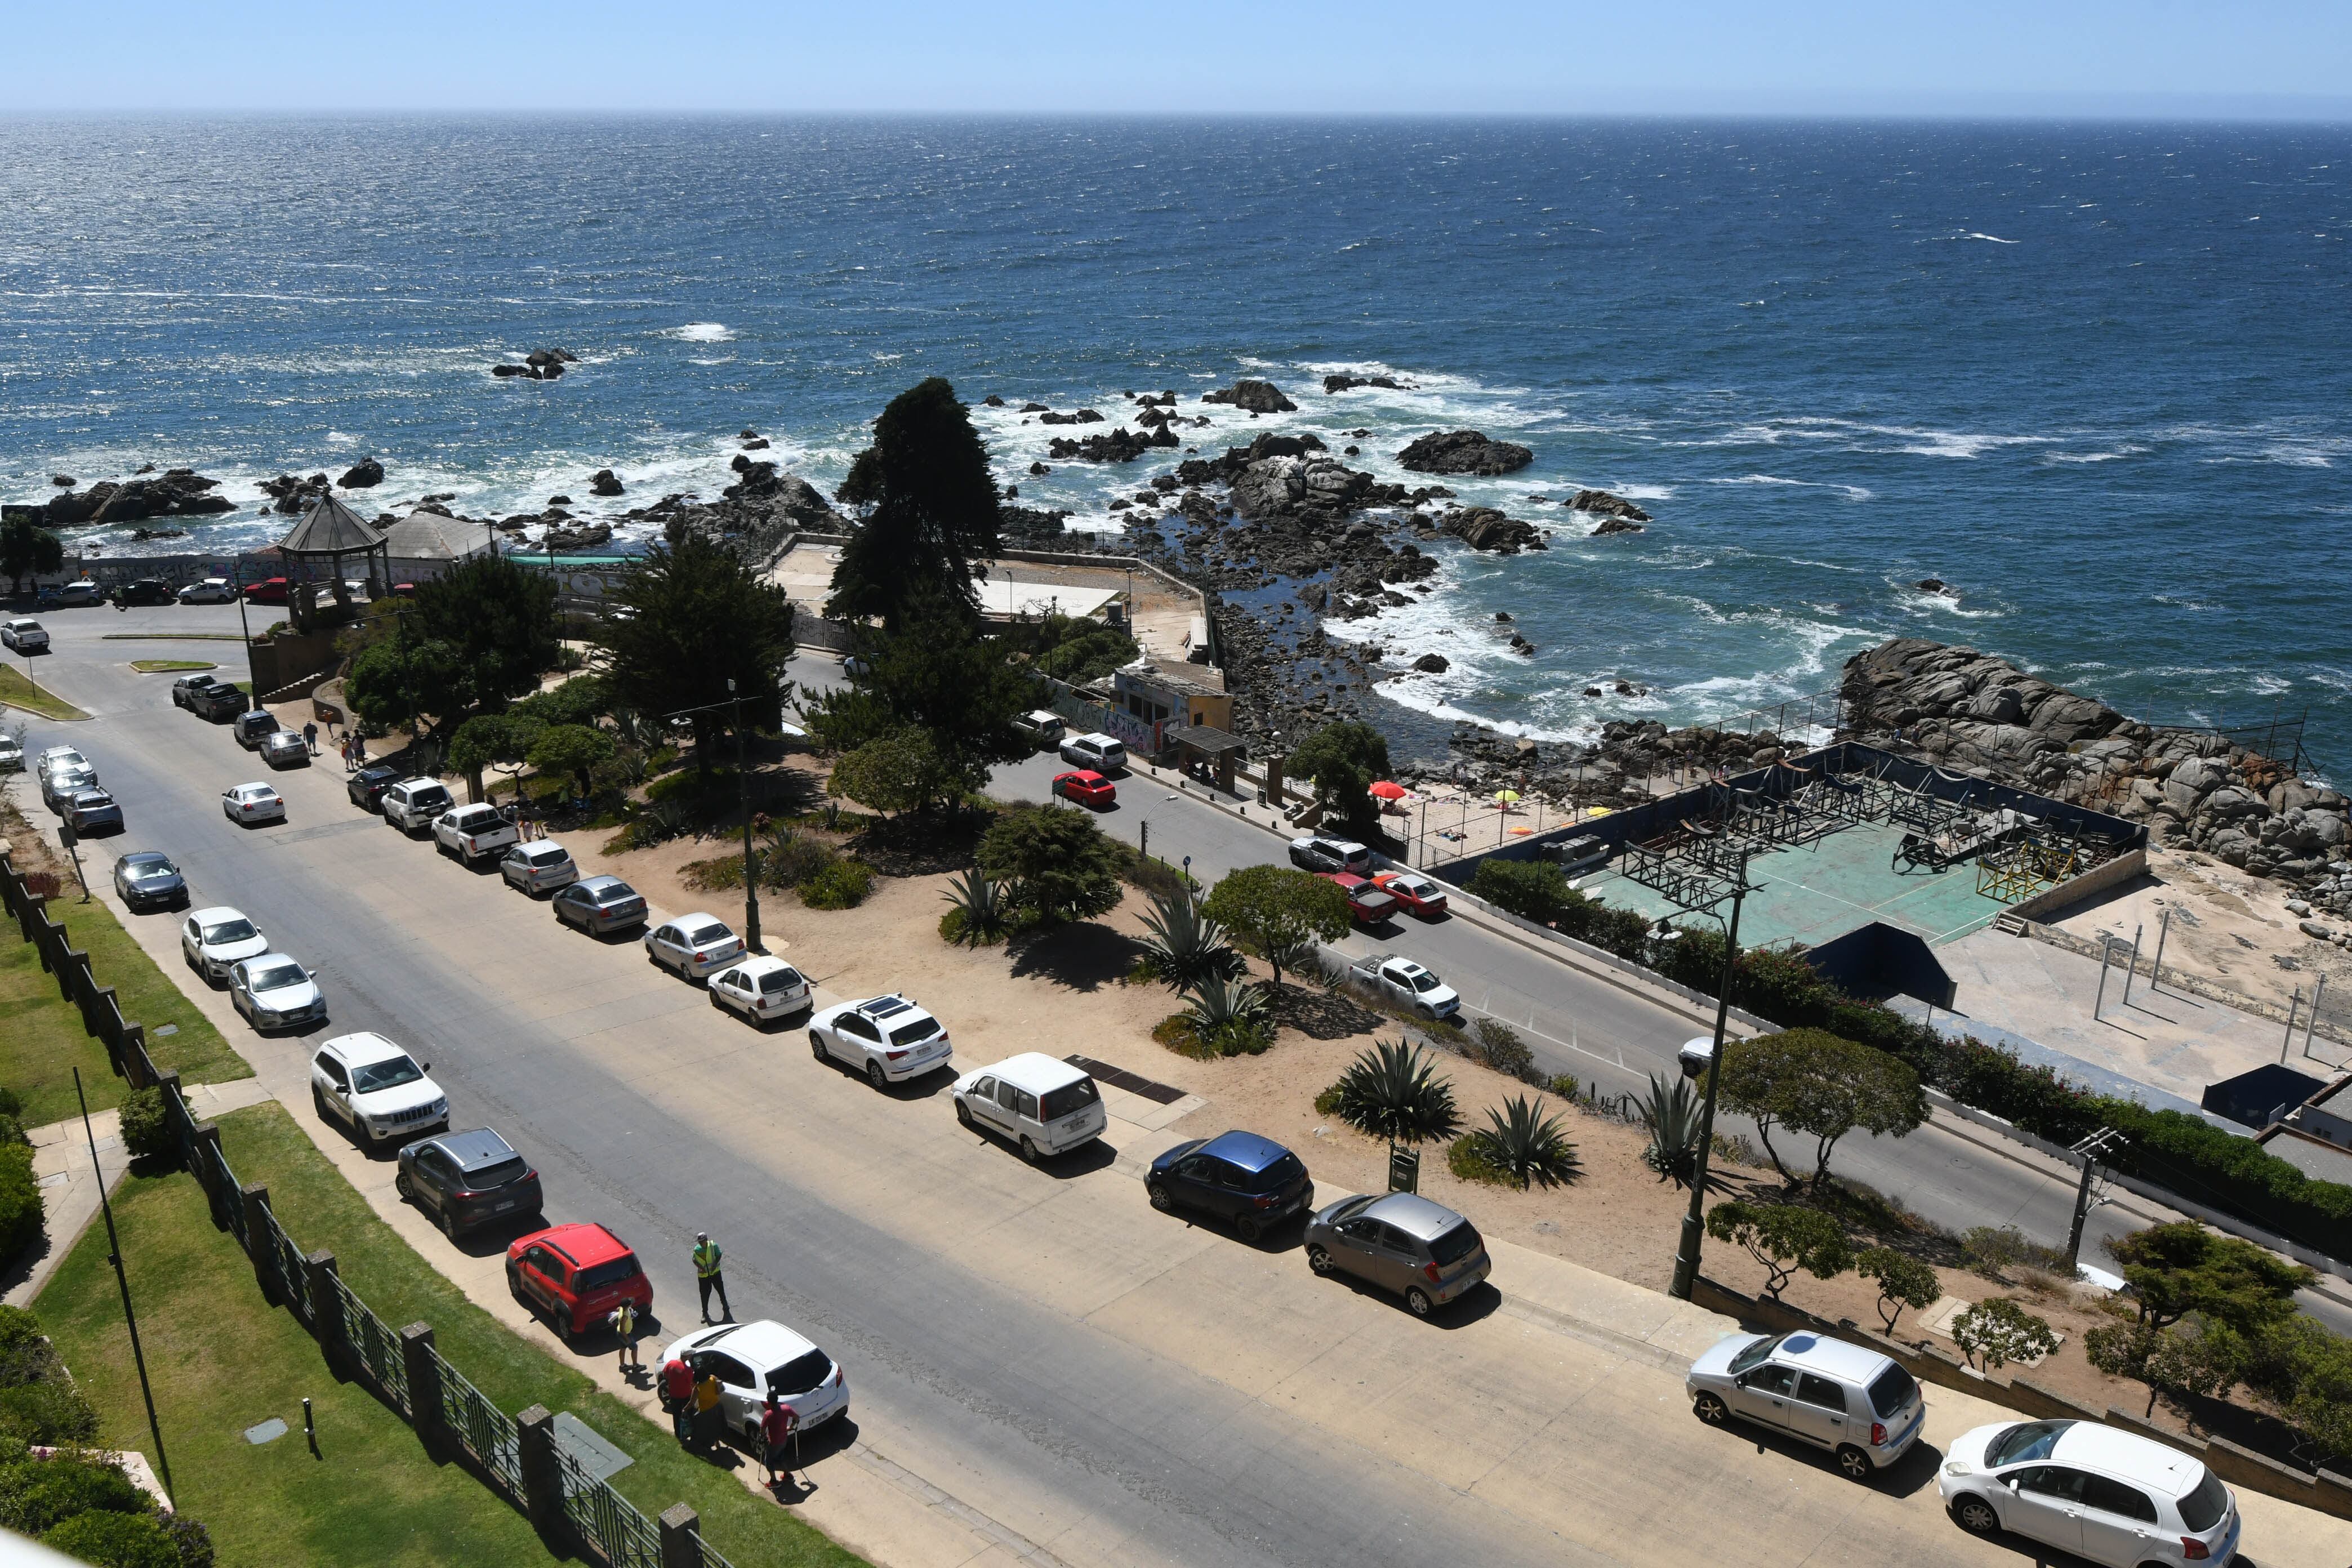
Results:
1368 904
271 591
1086 786
1413 891
576 1274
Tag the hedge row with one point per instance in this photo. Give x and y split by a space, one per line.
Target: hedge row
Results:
2180 1152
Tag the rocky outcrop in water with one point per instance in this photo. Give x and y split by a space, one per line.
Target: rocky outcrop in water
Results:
1031 524
1484 528
1601 503
1255 396
540 364
1337 384
1120 445
1614 525
366 474
175 492
604 482
1971 712
1463 452
1083 416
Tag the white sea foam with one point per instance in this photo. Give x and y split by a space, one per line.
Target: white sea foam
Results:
2129 449
1994 238
1851 492
701 332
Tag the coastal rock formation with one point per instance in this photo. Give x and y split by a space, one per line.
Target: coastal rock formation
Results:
586 537
1463 452
1432 664
604 482
539 364
1257 396
1484 528
1029 523
1601 503
1937 585
1971 712
753 515
1120 445
1614 525
366 474
1337 384
1083 416
176 492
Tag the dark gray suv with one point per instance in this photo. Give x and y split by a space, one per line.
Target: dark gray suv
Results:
467 1180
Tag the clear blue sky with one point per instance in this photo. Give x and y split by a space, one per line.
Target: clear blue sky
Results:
2289 59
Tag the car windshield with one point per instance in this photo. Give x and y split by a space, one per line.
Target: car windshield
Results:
923 1029
1070 1096
2202 1509
705 936
144 870
1425 980
800 1374
276 976
1891 1390
230 930
1456 1244
389 1074
1274 1177
1754 1353
612 1271
779 980
2033 1440
505 1173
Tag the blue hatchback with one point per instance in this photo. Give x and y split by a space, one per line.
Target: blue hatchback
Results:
1254 1181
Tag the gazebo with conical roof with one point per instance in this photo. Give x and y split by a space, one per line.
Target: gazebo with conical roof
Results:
329 531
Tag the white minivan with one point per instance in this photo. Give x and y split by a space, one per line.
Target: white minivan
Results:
1041 1102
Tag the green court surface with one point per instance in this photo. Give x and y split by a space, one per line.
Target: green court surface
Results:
1828 888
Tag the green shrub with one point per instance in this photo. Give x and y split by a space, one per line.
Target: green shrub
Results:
720 874
841 885
38 1495
1327 1103
193 1540
1532 890
147 1127
116 1540
1998 1331
1467 1158
1564 1085
1498 1046
22 1211
49 1412
790 862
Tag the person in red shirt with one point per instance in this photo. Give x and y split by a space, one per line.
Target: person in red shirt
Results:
776 1426
678 1395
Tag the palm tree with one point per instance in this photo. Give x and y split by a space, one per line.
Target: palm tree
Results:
1671 1112
987 910
1186 947
1393 1091
1527 1145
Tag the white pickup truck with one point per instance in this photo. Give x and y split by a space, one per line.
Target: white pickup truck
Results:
1407 984
471 832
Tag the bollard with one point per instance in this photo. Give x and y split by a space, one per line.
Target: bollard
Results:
681 1537
423 1369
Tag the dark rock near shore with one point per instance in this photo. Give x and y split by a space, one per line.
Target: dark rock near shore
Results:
1337 384
756 444
1484 528
539 364
1120 445
1603 504
1083 416
1039 470
1257 396
176 492
1616 525
992 401
1937 585
1432 664
1463 452
366 474
587 537
63 480
1029 523
604 482
1034 408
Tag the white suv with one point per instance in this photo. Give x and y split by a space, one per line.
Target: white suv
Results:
888 1039
376 1089
1099 752
2113 1497
413 804
471 832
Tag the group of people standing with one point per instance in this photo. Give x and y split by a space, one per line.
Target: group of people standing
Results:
692 1396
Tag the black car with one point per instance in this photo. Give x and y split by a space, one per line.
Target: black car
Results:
145 591
252 725
366 786
467 1180
1253 1182
217 701
184 689
146 879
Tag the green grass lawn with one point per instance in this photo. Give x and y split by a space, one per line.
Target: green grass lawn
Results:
16 691
169 665
41 1038
320 1209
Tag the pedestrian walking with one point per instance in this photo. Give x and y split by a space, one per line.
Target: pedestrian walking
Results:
777 1425
310 737
706 1410
677 1397
708 1279
623 1319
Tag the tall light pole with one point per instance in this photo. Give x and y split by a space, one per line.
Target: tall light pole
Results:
1694 1222
252 671
743 792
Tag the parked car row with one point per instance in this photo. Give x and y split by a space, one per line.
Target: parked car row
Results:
69 787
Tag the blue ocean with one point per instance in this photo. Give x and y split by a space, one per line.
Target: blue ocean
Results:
2093 376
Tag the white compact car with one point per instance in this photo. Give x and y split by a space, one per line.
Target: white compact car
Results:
413 804
888 1039
12 755
1044 1104
470 832
1862 1407
25 635
1099 752
760 989
217 940
696 945
759 1361
376 1089
274 992
540 867
2113 1497
253 803
211 591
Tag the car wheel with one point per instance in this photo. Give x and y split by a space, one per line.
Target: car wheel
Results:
1417 1300
403 1186
963 1113
713 993
514 1287
1161 1198
816 1044
448 1223
1711 1409
1029 1151
318 1104
1247 1227
1428 1012
1976 1516
1852 1463
874 1075
1319 1261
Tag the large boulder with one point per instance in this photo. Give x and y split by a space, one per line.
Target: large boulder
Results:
1257 396
1343 382
604 483
1603 504
1463 452
1484 528
366 474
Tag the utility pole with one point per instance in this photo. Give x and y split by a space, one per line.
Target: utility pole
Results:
131 1319
2090 1149
252 671
751 861
1693 1233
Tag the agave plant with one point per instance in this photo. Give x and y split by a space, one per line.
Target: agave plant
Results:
986 907
1671 1112
1230 1013
1527 1146
1393 1091
1186 948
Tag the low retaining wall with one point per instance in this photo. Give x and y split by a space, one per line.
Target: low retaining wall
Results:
2240 1467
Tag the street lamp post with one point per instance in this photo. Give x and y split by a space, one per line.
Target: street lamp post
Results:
743 789
1693 1222
252 671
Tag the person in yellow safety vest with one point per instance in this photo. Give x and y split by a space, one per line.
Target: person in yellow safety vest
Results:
707 1277
623 1319
707 1418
